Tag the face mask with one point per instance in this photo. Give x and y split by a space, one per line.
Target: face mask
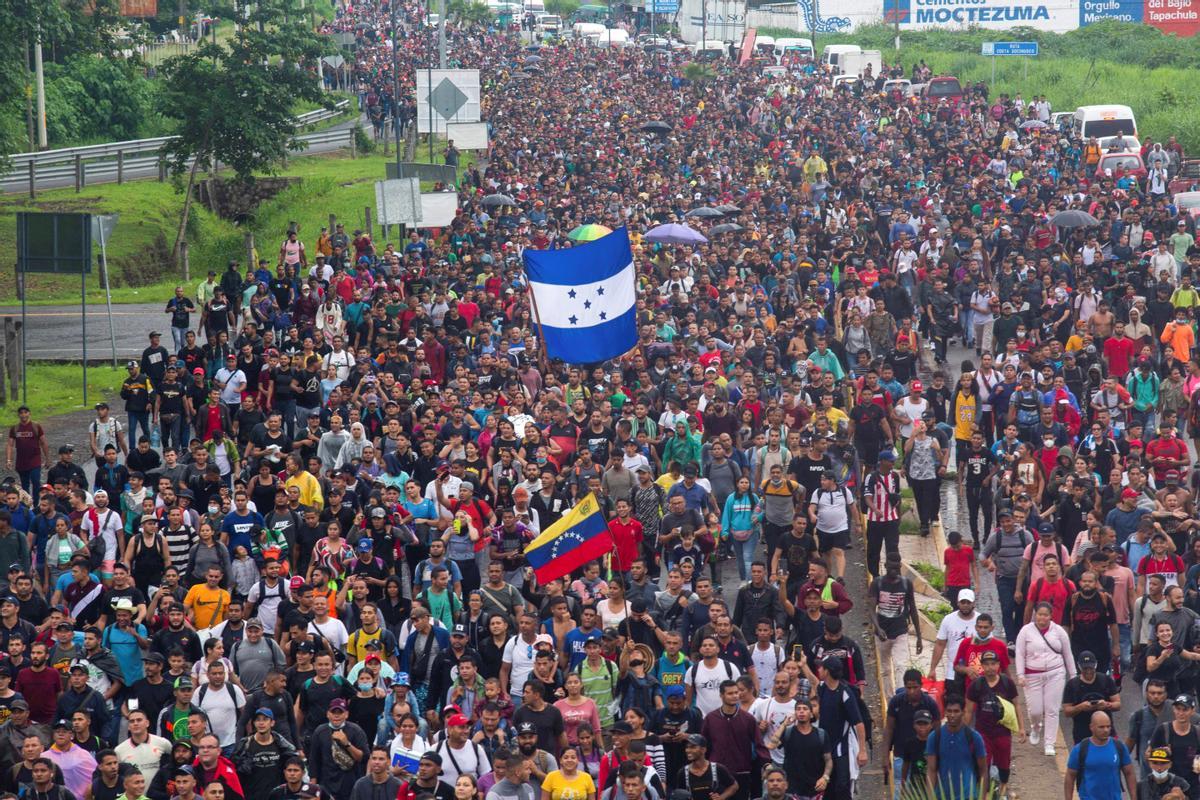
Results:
1160 776
337 726
214 509
365 686
984 638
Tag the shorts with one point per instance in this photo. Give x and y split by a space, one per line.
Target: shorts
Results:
827 541
106 568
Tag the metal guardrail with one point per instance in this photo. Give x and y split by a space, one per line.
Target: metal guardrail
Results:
97 165
140 146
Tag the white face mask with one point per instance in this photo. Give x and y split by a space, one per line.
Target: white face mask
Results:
1160 776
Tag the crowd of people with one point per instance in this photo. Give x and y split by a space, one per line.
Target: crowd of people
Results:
294 564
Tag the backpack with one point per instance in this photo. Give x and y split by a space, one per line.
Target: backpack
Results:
728 671
204 691
1084 746
937 746
277 657
1063 558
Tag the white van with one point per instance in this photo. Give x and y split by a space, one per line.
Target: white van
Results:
582 30
1102 121
831 54
710 48
792 46
535 7
610 37
764 45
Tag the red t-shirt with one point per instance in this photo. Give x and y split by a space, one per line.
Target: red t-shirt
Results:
1119 353
969 652
478 511
1055 594
1168 566
958 565
628 538
26 441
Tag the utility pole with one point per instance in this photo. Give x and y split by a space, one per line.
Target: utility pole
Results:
897 19
703 25
39 77
29 127
395 81
441 34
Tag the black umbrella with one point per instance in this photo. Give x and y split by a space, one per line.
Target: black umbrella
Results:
729 209
725 227
1074 218
657 126
704 211
498 200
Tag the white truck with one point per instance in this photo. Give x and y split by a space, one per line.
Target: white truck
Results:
856 63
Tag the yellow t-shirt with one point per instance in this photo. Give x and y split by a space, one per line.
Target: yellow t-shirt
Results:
208 605
577 788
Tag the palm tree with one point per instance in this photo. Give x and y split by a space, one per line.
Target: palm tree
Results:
695 72
468 12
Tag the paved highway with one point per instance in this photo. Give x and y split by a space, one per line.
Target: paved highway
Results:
55 333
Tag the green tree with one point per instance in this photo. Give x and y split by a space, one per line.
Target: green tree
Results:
66 29
233 100
468 12
562 8
696 72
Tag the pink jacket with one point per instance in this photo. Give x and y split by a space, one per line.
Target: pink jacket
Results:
1046 651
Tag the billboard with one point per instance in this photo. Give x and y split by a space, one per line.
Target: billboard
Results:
1177 17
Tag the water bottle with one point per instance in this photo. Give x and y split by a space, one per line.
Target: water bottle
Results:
155 437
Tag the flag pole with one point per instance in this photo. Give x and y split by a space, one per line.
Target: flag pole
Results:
616 554
541 335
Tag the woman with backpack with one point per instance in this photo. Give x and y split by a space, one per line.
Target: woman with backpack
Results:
738 524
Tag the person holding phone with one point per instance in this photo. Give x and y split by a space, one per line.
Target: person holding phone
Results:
1085 694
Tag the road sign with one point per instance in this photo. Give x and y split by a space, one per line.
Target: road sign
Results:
60 243
664 6
446 95
398 202
1010 49
468 135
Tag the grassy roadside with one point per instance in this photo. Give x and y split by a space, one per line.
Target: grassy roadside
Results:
139 253
1105 63
58 389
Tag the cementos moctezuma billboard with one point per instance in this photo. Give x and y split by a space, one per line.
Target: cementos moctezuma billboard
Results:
728 19
1179 17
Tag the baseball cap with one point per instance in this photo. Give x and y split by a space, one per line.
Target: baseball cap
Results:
184 683
1046 529
1184 700
254 622
917 386
19 705
154 658
1129 494
269 714
380 513
296 582
1088 659
544 638
966 594
457 720
461 630
609 633
621 726
365 545
923 716
338 704
526 728
675 690
62 724
988 655
697 740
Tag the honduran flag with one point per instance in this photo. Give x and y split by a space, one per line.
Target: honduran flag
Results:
584 298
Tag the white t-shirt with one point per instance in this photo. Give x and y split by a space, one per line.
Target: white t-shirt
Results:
266 600
909 411
706 683
766 664
145 756
952 631
419 747
520 654
109 523
470 759
333 630
775 713
222 710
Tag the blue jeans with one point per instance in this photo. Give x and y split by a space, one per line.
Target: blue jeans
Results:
744 553
287 409
179 336
171 432
1125 630
1010 609
137 418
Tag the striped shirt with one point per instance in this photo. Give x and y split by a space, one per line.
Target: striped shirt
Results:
876 490
179 545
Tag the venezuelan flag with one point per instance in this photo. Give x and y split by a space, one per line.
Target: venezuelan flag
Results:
579 537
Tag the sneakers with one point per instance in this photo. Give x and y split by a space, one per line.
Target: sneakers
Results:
1049 749
1035 735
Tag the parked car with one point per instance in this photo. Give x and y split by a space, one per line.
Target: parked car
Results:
1127 163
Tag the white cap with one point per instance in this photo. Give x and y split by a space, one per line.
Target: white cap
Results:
966 594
